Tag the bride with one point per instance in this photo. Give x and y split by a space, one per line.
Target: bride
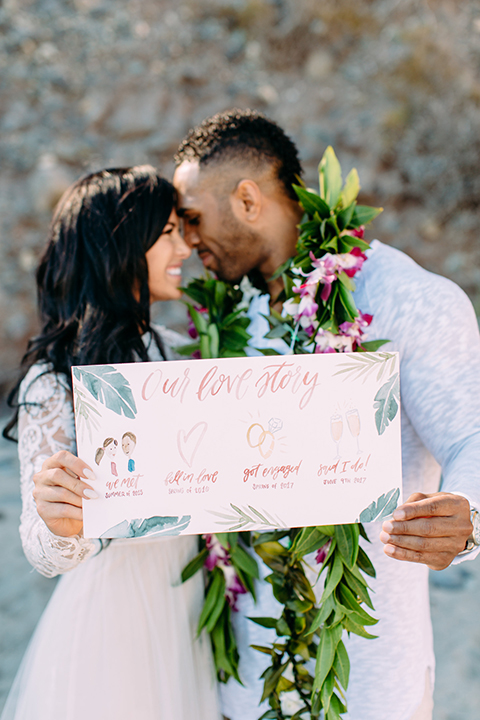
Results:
117 639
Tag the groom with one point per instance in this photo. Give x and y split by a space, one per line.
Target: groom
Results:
234 180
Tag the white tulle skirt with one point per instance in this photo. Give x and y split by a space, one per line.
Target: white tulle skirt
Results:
117 642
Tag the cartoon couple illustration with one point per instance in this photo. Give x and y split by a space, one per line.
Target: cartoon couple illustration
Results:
109 449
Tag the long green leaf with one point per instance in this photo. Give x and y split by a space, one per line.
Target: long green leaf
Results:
351 626
309 540
220 637
330 176
347 301
334 577
205 346
358 586
344 217
216 590
188 349
272 678
329 640
217 609
244 561
312 203
341 665
266 622
346 281
373 345
337 708
351 188
198 319
363 215
214 340
345 543
194 565
326 609
286 265
349 600
364 563
327 690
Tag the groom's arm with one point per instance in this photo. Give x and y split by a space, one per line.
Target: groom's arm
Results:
440 379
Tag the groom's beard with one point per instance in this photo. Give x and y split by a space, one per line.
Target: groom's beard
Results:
239 250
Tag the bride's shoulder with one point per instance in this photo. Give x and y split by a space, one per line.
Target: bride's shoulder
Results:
41 383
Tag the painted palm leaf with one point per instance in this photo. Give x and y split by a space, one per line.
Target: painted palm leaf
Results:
85 414
386 403
141 527
382 508
107 385
247 519
365 363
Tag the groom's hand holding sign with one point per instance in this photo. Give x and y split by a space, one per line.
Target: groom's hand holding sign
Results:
430 529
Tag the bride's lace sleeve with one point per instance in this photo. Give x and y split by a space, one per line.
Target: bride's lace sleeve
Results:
45 426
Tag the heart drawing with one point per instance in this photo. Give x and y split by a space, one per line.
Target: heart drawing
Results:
188 443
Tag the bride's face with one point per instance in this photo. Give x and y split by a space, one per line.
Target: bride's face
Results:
164 261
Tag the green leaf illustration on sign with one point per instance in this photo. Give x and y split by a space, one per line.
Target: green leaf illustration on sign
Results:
386 403
247 518
107 385
141 527
365 363
85 414
380 509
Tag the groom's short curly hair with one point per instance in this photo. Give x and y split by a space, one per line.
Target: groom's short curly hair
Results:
246 135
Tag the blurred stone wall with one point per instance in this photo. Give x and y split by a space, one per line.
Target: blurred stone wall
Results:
392 84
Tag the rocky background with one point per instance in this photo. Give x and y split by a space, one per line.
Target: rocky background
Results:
392 84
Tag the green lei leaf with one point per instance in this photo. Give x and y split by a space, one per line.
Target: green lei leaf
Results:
307 629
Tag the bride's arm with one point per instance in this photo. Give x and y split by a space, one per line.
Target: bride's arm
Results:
45 429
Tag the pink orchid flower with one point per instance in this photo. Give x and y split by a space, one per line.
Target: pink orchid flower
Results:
322 553
219 557
352 261
217 554
356 232
326 271
356 330
351 335
327 342
233 586
306 308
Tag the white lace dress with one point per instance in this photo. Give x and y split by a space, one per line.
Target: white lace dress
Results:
117 639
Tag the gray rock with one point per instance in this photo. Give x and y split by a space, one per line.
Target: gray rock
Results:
48 183
136 114
392 86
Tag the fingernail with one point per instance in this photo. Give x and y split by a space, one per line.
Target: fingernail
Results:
387 526
384 537
399 515
90 494
89 474
389 549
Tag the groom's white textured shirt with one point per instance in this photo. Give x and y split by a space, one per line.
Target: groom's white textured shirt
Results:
431 322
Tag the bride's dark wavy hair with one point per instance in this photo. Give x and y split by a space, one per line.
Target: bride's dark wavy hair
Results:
92 281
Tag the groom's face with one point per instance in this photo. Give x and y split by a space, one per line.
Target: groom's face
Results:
224 244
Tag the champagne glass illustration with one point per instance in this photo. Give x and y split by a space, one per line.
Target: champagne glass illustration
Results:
353 421
336 430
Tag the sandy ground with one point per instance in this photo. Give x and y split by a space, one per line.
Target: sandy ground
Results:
455 600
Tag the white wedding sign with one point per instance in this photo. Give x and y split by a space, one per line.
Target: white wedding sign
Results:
204 446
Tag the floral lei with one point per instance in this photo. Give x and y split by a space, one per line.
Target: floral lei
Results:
319 315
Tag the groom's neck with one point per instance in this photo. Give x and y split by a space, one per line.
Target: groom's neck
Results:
282 240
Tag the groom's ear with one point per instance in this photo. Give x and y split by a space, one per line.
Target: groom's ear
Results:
246 201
